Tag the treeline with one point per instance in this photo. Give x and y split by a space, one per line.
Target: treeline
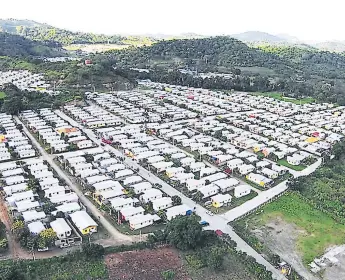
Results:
325 188
14 45
321 91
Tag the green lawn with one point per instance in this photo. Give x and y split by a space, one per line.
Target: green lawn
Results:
321 230
288 165
279 96
2 95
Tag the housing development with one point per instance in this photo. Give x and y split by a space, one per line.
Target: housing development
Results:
131 161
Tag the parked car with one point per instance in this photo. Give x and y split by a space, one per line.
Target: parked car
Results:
204 223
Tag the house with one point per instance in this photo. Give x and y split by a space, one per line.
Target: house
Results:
141 187
187 161
259 179
295 159
278 169
61 228
270 173
14 180
67 208
220 200
84 223
128 212
21 196
63 198
141 221
246 168
194 184
214 177
162 203
36 228
242 190
196 166
121 202
9 190
33 216
49 183
12 172
123 173
178 210
27 205
151 195
173 171
50 192
183 177
226 185
208 190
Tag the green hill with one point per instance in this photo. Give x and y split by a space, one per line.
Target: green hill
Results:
14 45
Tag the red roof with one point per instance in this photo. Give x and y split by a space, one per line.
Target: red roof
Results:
219 232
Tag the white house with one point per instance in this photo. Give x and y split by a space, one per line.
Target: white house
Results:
36 228
226 185
242 190
130 211
61 228
141 221
151 195
121 202
209 190
246 168
162 203
175 211
141 187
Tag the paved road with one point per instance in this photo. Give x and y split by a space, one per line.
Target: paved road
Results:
216 222
92 208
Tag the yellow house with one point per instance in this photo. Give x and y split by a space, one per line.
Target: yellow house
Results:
312 139
84 223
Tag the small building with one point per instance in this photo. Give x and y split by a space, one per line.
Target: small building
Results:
175 211
246 168
259 179
226 185
151 195
128 212
162 203
141 187
209 190
36 228
84 223
33 216
141 221
220 200
61 228
242 190
121 202
173 171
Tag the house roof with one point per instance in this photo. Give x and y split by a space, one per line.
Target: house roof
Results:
82 220
60 226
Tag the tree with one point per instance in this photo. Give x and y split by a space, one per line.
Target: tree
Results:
89 158
47 237
176 200
215 257
198 196
60 214
19 126
93 251
184 232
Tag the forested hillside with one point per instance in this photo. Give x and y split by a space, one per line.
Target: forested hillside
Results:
295 71
204 53
14 45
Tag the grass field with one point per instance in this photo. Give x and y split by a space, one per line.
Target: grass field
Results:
288 165
321 231
279 96
2 95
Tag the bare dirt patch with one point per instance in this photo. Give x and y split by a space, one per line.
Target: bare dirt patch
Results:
145 265
281 238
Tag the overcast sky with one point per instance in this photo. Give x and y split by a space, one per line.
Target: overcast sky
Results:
317 20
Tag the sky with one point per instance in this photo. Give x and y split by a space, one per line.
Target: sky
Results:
309 20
